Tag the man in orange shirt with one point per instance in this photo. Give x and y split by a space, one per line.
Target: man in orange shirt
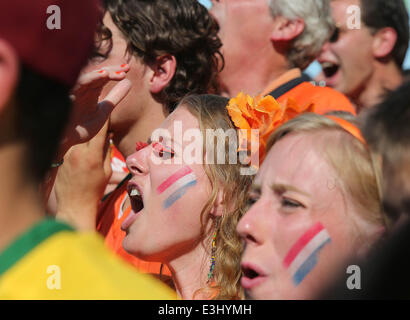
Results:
267 53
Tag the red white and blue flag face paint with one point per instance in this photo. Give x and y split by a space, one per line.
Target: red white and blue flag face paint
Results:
177 185
303 256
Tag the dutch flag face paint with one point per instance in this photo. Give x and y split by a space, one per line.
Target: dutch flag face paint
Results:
303 256
177 185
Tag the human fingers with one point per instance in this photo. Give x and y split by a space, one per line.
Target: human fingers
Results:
98 78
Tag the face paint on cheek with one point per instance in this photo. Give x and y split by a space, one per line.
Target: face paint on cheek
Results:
303 256
177 185
141 145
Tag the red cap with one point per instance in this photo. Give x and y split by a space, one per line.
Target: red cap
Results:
56 53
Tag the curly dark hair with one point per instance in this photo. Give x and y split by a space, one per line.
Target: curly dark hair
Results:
182 28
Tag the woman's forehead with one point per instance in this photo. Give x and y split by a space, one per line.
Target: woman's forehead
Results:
180 117
295 160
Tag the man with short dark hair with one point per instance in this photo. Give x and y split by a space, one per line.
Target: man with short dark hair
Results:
42 258
365 62
164 66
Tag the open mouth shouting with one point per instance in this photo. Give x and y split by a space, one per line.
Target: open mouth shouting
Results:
331 71
135 195
252 276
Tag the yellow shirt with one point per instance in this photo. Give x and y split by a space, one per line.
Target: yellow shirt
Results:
52 261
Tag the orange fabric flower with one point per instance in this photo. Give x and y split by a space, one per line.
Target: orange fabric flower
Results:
263 114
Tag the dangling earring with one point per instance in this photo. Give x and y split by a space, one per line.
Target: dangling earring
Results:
211 270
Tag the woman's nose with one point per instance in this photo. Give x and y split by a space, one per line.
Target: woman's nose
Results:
137 163
247 227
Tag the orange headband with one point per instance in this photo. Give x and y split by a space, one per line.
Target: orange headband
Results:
349 127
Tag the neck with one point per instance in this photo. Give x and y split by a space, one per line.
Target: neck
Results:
254 74
151 117
20 204
190 272
386 77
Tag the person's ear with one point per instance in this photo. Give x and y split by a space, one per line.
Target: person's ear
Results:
163 70
384 42
217 208
286 30
9 72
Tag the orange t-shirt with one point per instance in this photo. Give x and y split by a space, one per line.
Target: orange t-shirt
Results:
111 214
304 92
118 163
325 99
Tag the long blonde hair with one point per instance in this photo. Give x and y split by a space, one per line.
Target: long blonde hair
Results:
211 112
358 168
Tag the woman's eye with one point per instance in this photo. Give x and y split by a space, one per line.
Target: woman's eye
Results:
162 151
252 199
291 204
251 202
335 36
98 57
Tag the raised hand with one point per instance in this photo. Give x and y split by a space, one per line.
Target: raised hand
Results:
81 181
89 115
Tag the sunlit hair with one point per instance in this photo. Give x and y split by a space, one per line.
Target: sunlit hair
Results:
358 169
211 112
318 26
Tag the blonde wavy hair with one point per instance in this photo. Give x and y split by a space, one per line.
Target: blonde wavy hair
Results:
358 168
211 112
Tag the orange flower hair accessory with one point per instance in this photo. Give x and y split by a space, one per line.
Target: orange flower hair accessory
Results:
263 115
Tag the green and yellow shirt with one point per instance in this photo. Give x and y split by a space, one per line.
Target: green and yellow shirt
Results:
52 261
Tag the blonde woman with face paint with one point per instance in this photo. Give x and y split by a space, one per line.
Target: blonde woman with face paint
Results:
184 213
316 204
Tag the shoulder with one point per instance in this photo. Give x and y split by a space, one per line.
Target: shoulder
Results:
325 99
328 99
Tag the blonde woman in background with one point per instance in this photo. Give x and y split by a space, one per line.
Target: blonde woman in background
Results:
316 204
